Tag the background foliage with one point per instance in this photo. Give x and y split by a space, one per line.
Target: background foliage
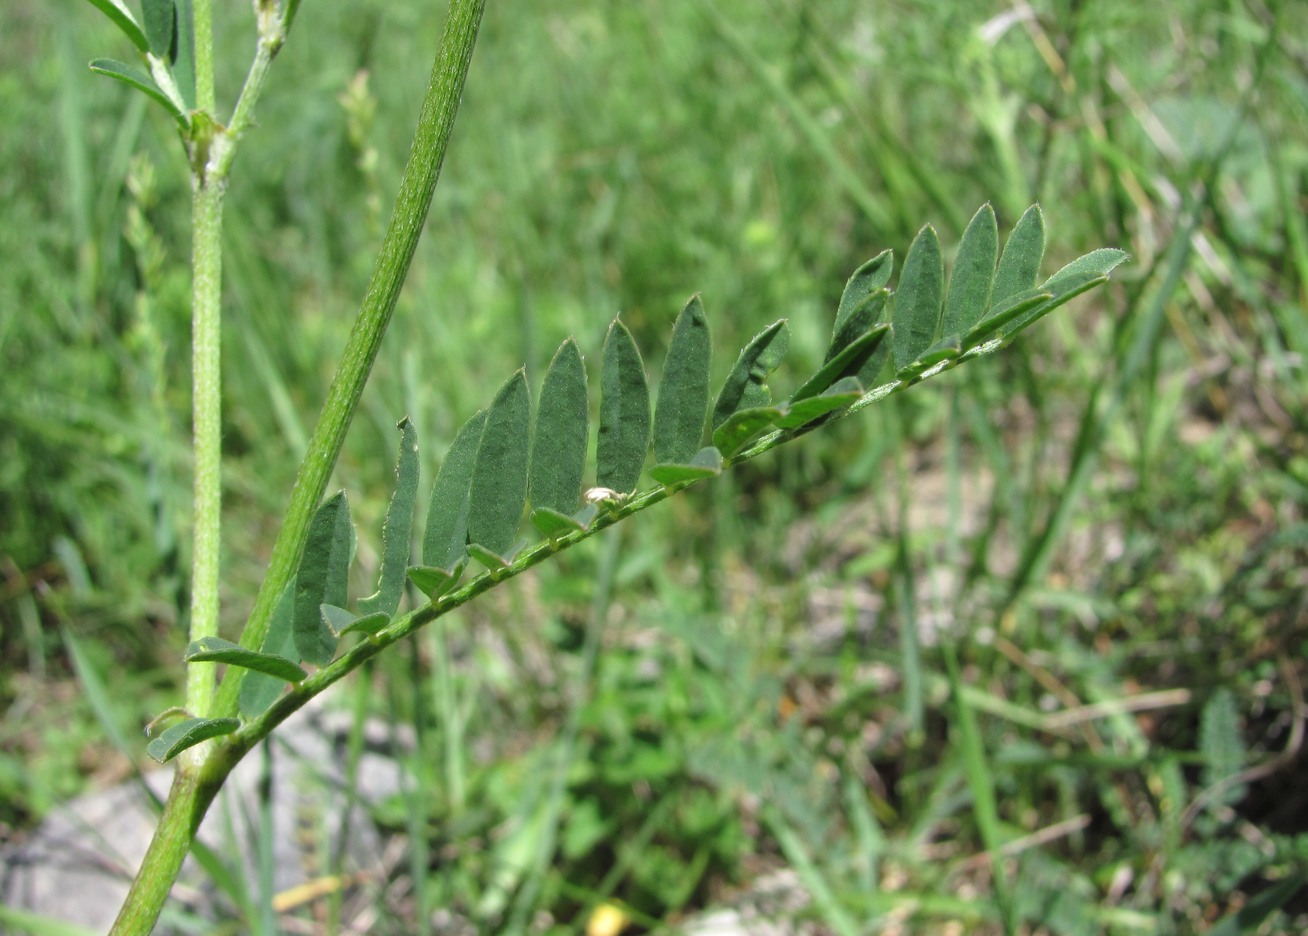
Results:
756 674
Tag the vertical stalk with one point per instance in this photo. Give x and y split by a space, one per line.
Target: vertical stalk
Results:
206 379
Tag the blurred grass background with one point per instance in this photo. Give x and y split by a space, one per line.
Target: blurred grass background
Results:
1104 527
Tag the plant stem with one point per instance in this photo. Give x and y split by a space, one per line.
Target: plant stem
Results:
206 384
431 140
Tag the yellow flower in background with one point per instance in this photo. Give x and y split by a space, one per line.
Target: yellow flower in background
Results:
607 920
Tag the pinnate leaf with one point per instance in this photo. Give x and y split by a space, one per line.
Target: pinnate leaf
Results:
624 412
397 533
323 578
499 477
684 390
122 17
187 734
217 650
973 277
917 301
558 452
444 545
1023 252
746 385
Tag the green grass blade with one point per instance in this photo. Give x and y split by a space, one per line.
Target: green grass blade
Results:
499 477
20 921
973 277
624 412
1249 919
746 384
1019 266
187 734
445 541
322 579
122 17
217 650
684 390
917 301
259 691
558 451
397 532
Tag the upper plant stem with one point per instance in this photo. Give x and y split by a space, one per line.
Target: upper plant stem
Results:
431 140
206 383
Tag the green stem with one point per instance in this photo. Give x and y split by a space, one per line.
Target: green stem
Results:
206 387
429 146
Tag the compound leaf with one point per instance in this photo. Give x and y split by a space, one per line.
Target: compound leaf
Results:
746 385
624 412
917 301
499 477
217 650
189 733
558 452
397 533
445 541
684 390
973 277
323 578
1020 264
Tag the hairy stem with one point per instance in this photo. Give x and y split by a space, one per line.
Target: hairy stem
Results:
206 383
429 146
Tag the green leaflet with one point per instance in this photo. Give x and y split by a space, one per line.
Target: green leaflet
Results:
187 734
852 318
558 451
1020 264
499 477
434 582
917 301
159 20
1014 307
554 524
491 559
368 624
1077 277
707 463
973 277
140 81
258 691
946 349
184 52
323 578
217 650
842 393
742 426
746 385
122 18
624 412
863 354
684 390
444 545
397 533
